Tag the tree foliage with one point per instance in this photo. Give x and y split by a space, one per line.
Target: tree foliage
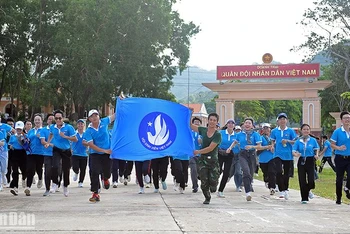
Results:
329 30
83 53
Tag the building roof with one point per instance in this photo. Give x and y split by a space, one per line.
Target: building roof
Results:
199 109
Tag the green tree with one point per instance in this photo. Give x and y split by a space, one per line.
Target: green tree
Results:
329 27
14 43
105 47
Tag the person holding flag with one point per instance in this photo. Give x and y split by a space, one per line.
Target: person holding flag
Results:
208 163
98 139
197 140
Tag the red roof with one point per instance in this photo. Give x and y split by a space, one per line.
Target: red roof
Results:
196 107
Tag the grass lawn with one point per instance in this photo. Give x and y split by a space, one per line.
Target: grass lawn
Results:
325 185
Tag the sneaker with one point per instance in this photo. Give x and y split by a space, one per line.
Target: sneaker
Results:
303 202
27 191
238 189
147 179
47 193
338 202
121 180
40 184
14 191
129 178
1 188
206 202
156 191
80 185
7 185
311 195
248 197
221 194
34 181
24 183
347 192
272 191
142 190
176 186
181 190
147 185
54 188
75 176
115 184
164 186
106 184
194 190
286 195
282 194
65 191
95 198
125 182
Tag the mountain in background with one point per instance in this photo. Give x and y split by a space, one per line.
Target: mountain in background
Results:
189 82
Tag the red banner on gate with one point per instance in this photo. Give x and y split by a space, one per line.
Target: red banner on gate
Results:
305 70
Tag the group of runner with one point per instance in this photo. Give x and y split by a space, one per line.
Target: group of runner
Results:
231 151
275 149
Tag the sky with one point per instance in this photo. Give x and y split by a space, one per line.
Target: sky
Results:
239 32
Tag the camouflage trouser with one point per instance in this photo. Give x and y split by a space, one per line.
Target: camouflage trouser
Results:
209 174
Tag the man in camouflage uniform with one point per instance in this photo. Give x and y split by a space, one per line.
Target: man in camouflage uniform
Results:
208 163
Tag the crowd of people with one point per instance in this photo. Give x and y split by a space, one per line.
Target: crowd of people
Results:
242 148
231 151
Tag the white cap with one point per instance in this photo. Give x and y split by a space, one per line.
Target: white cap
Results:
93 111
19 124
230 120
238 128
265 125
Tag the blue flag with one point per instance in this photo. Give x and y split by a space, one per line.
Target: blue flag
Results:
148 128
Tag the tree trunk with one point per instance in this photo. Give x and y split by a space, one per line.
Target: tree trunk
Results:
3 76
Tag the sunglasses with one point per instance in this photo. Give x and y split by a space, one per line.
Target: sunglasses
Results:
58 118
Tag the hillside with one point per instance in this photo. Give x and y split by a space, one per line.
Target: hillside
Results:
192 77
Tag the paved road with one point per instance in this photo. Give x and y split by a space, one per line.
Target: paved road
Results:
123 210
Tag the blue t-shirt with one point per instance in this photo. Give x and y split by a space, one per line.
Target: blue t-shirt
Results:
307 149
15 143
35 142
57 140
5 128
241 138
341 137
100 136
3 138
78 148
328 152
266 155
45 133
284 152
226 139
